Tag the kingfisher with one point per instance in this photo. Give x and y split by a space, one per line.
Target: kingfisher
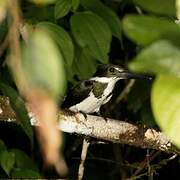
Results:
88 96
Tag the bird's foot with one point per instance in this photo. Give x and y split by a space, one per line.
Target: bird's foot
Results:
99 114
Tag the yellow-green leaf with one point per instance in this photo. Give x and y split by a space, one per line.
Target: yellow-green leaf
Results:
166 105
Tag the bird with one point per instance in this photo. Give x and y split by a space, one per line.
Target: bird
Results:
89 95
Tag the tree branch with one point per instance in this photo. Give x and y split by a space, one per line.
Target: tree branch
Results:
112 130
116 131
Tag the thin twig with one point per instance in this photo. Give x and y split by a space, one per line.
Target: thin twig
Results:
144 164
83 158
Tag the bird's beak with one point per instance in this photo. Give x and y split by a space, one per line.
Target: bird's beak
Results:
130 75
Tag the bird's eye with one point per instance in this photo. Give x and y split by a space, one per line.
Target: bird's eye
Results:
88 83
111 70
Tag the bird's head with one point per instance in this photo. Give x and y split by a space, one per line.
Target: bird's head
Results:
110 71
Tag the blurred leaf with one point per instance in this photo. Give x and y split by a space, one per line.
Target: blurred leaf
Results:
2 146
178 9
106 13
62 8
23 161
166 105
160 57
25 173
161 7
75 4
43 64
42 2
62 38
145 29
84 64
92 32
7 160
19 108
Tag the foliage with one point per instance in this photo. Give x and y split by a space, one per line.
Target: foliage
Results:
67 39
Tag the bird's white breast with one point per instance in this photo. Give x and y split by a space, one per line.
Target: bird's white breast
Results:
91 103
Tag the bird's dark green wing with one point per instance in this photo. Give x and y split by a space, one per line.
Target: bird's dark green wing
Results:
77 94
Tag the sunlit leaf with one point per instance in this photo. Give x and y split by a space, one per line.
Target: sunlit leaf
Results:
91 31
161 7
43 64
106 13
19 108
62 7
145 29
62 39
166 105
7 160
160 57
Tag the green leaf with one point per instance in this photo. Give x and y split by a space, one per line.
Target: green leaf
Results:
7 160
62 8
144 30
84 64
23 161
160 57
161 7
25 173
91 31
75 4
106 13
19 108
43 64
166 105
62 39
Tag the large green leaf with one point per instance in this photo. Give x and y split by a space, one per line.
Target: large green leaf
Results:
62 39
62 8
23 161
160 57
162 7
145 29
91 31
7 160
43 64
84 64
166 105
106 13
19 108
